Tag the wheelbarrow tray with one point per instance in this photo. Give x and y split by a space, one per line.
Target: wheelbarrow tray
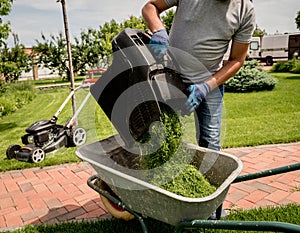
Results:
115 165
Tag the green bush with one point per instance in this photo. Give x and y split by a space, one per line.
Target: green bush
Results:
14 96
250 78
292 66
296 67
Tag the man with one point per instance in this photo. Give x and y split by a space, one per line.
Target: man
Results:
202 30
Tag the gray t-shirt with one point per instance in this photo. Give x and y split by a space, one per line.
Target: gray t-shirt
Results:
204 28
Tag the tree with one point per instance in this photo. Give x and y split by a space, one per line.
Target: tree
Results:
167 19
52 54
91 48
5 8
297 20
258 32
13 61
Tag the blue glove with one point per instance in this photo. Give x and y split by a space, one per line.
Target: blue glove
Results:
197 94
159 43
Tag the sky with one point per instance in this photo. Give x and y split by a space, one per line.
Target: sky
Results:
30 18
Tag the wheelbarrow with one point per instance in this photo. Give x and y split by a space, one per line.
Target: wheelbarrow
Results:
133 193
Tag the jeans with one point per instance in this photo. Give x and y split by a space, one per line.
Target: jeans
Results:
208 117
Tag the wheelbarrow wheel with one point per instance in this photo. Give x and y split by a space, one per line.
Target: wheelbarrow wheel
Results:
115 210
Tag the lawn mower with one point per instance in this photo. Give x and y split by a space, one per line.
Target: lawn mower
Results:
45 136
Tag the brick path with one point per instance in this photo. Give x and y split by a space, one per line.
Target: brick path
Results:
272 190
59 193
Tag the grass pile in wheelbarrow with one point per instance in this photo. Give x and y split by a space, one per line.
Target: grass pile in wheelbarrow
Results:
174 175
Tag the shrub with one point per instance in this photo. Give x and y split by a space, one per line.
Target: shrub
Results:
287 66
250 78
296 67
14 96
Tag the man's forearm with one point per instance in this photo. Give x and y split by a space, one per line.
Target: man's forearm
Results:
151 12
235 62
225 73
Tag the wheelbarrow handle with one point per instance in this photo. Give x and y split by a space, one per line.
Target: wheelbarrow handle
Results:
238 225
270 172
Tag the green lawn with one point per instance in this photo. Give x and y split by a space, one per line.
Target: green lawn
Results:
43 107
249 119
265 117
286 214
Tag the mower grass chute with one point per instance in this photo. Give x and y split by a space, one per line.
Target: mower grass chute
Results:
45 136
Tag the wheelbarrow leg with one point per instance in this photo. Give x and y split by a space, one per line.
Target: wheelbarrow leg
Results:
219 212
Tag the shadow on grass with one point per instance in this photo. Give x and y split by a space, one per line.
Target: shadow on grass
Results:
296 77
6 126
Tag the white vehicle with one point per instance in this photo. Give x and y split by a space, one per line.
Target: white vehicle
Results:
272 48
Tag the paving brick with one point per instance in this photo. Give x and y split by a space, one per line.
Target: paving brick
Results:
71 215
32 216
11 186
27 209
2 221
56 175
42 175
294 197
245 187
70 204
274 149
262 186
29 193
38 204
277 196
13 221
45 194
26 187
264 203
53 203
244 204
51 215
92 214
91 206
249 170
29 174
281 186
62 195
32 222
20 202
256 196
8 210
285 201
236 196
2 186
54 188
75 194
283 154
85 197
40 187
6 202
